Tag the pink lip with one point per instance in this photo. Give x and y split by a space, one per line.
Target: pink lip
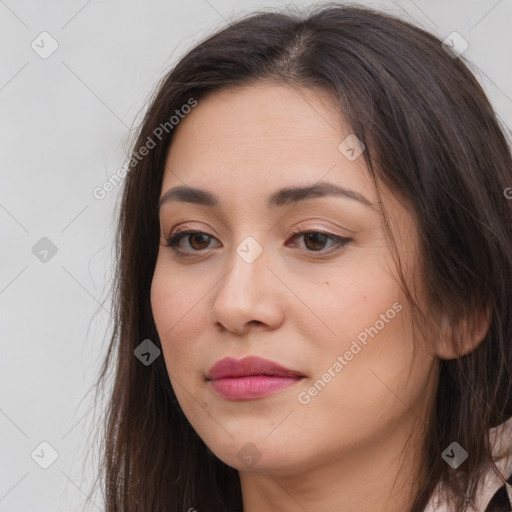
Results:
250 377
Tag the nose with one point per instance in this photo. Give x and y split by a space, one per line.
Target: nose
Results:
248 297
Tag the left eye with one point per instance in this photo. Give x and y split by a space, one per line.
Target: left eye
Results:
315 240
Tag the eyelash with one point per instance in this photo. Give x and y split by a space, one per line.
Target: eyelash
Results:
173 241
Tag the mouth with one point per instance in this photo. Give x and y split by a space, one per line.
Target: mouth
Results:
250 378
252 386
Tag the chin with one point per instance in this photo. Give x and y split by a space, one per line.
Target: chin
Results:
256 455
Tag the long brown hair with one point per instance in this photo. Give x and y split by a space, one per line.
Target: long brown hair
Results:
431 136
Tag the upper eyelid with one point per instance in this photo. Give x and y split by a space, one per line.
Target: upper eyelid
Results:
296 232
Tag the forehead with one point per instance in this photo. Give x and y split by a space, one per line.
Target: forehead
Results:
263 136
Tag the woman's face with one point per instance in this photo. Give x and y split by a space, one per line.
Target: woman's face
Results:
330 310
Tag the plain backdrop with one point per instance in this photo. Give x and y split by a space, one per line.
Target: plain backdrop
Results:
67 118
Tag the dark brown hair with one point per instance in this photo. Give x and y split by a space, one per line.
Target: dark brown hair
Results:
431 136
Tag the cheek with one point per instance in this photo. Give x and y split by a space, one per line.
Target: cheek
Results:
377 380
362 317
361 390
351 298
179 316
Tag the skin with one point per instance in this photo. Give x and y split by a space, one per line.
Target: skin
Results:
356 444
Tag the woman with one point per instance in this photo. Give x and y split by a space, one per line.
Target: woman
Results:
313 288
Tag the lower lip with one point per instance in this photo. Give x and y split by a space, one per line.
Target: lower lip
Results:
249 388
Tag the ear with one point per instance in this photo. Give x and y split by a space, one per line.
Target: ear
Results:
470 332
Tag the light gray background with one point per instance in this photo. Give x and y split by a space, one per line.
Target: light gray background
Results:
66 122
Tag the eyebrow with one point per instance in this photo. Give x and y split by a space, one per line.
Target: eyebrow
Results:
282 197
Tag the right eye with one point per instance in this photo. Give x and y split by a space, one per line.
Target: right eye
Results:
197 240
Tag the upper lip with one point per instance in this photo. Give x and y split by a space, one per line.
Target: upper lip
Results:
250 365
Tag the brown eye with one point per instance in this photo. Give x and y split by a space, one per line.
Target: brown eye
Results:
197 241
315 241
